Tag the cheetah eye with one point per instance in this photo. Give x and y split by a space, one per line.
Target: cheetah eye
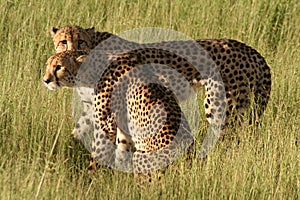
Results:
57 68
80 42
64 41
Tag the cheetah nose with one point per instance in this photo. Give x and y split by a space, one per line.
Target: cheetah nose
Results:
47 81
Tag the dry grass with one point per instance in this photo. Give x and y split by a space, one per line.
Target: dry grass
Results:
38 156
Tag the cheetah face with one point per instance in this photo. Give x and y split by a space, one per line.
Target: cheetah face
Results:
62 69
71 38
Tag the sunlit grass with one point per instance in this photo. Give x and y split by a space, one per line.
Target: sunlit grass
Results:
38 156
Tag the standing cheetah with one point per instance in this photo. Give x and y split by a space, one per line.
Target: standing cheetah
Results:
129 98
244 71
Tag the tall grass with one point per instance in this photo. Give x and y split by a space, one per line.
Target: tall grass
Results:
38 157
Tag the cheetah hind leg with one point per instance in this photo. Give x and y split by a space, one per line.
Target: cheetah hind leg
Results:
144 180
262 95
124 141
125 148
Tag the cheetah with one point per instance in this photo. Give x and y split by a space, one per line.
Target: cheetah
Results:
130 97
244 71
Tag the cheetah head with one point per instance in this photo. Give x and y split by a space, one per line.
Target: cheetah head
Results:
72 38
62 69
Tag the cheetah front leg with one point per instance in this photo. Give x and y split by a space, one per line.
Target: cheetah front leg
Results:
84 126
262 93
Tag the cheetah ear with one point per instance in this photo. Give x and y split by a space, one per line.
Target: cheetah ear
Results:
81 58
53 30
92 29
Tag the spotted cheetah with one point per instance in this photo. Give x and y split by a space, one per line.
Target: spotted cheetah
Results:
130 97
244 71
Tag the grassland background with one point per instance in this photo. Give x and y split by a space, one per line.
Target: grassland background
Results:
38 157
